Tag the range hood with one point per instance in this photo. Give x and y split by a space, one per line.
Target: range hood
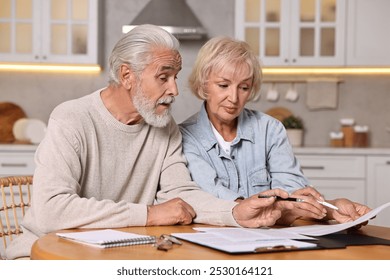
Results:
175 16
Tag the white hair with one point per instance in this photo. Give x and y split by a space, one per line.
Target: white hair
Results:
135 49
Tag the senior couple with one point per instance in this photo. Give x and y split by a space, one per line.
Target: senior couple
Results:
114 158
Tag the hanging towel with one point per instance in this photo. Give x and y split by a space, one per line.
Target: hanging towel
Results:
322 94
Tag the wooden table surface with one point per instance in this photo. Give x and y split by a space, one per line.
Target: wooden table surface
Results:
51 247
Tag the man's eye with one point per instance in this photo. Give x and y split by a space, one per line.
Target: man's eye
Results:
163 78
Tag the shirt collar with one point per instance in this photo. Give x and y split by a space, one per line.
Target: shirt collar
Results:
246 126
245 130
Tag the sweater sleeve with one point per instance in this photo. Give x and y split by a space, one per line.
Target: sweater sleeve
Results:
176 181
59 200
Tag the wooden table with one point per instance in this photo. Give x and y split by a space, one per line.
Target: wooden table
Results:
51 247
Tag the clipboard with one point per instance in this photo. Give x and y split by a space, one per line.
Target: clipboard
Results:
338 240
347 238
258 246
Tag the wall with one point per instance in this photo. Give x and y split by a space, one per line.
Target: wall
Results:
367 99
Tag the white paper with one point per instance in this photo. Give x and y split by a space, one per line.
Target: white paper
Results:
241 240
212 240
247 234
319 230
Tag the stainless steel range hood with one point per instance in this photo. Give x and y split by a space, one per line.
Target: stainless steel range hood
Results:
175 16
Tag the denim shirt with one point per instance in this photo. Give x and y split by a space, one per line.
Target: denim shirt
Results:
261 156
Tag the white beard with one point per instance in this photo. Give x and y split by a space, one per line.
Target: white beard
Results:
147 109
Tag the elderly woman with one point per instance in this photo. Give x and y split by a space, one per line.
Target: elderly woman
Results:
235 153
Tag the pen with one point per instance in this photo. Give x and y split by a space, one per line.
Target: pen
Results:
281 198
327 204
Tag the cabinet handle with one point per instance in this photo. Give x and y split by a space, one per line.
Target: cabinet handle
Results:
14 165
314 167
388 162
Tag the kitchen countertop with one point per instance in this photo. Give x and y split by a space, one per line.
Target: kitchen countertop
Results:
342 151
18 147
297 150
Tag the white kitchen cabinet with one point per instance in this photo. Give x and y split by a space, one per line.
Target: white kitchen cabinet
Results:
368 40
359 174
293 32
49 31
17 160
336 176
378 186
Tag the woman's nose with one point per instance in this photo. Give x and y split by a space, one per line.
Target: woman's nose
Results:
233 95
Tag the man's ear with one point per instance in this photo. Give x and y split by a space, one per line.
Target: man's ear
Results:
126 76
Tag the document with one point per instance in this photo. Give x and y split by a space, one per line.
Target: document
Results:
107 238
244 240
319 230
252 234
216 241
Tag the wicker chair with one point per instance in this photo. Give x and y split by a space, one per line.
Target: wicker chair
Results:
15 200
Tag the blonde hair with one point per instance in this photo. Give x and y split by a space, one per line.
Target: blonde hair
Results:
214 55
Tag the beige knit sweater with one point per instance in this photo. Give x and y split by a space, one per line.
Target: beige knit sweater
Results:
96 172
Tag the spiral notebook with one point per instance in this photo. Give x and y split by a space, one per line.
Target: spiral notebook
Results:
107 238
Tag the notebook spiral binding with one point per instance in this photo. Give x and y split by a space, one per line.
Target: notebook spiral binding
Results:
131 241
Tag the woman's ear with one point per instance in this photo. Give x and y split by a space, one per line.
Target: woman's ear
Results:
125 76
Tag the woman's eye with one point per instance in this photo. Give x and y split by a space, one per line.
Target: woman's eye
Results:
222 85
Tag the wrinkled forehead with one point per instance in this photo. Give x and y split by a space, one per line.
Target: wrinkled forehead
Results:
166 59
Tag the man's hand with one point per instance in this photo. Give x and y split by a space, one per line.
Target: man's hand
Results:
257 212
174 211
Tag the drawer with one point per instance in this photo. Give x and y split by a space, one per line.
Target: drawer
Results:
16 164
320 166
353 189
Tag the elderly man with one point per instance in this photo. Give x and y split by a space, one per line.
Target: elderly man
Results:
113 158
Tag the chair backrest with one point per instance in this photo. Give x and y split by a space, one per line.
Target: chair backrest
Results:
15 200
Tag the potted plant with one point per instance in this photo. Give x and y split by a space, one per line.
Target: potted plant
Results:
294 128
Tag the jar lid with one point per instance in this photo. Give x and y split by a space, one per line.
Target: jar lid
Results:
336 135
360 128
347 121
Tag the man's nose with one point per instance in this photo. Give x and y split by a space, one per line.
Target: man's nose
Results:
172 89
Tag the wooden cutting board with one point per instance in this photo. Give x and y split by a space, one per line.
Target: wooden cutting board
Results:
9 114
279 113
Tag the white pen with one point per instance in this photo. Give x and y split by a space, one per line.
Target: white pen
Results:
327 204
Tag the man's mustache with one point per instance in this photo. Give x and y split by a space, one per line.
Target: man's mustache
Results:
166 100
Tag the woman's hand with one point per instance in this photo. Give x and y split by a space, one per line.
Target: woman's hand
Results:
348 210
308 208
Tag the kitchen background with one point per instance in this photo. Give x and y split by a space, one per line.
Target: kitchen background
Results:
366 98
